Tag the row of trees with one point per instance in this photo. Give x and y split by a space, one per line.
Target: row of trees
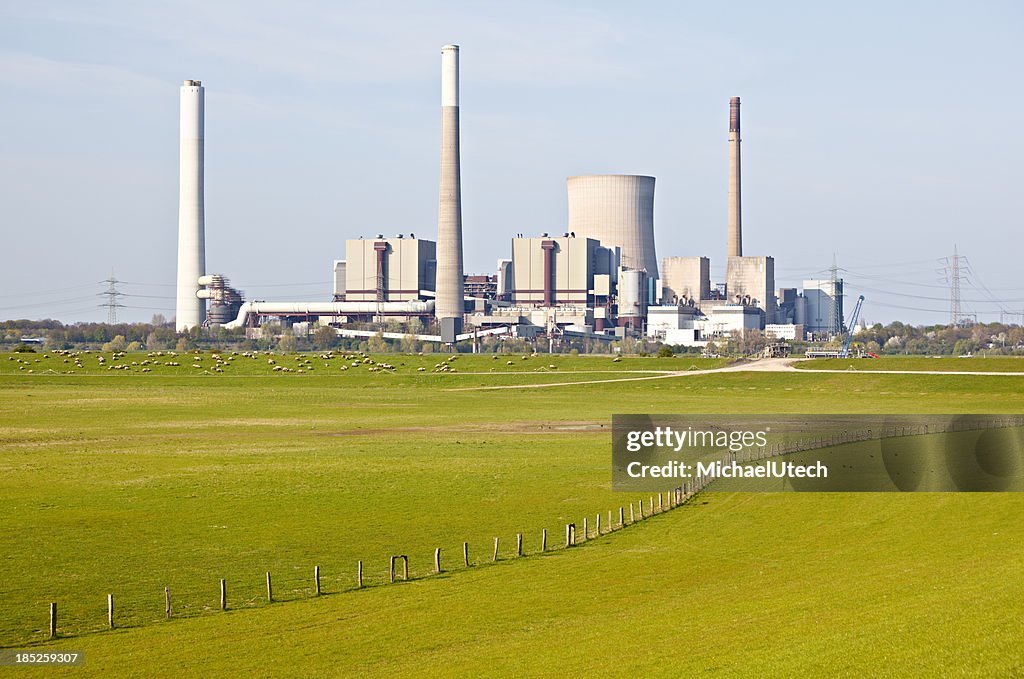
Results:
159 335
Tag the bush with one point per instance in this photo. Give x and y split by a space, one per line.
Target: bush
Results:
665 352
24 349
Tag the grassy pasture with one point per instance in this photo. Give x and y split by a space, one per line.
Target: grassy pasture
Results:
931 363
120 481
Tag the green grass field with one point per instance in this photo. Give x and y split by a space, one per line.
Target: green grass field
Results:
118 481
929 363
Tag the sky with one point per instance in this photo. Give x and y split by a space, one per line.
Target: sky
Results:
882 134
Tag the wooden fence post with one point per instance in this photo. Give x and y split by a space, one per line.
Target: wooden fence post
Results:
621 517
632 519
465 553
53 619
437 560
495 549
270 589
544 540
316 579
359 574
597 525
223 595
405 567
586 530
519 544
611 526
167 601
110 610
393 568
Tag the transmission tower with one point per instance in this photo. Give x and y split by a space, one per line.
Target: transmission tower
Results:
111 293
835 325
954 271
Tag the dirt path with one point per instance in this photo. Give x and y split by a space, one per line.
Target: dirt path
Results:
759 365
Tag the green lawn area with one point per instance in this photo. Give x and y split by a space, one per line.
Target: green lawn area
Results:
117 481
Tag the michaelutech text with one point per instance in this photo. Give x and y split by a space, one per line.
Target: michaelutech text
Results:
771 469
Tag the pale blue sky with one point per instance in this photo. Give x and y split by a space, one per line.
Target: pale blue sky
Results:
884 132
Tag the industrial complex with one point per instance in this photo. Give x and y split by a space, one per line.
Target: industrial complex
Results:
600 278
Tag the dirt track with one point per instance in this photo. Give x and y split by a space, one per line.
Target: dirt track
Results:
760 365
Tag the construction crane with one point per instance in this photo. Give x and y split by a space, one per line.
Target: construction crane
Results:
845 353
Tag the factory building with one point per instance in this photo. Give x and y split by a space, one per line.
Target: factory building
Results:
338 280
751 281
618 211
504 283
387 270
823 301
685 279
787 301
689 326
480 286
566 271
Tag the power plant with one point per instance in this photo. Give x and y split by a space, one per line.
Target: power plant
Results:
600 279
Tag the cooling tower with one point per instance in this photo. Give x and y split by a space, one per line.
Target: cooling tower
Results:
735 215
618 210
449 213
190 311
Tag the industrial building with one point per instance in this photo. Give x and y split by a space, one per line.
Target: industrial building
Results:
823 306
751 281
382 269
687 326
562 271
685 279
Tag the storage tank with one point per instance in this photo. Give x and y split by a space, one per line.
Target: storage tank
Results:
632 296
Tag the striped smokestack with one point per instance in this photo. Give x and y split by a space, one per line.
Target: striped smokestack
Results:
735 215
449 302
190 311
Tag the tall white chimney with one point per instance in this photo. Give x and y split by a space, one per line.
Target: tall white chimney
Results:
190 311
